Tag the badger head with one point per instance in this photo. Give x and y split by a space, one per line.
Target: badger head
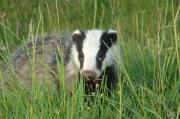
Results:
93 51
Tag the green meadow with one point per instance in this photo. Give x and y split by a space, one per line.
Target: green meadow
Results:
148 33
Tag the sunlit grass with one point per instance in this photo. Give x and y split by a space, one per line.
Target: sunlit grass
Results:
150 75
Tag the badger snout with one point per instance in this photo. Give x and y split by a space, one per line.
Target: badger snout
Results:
89 74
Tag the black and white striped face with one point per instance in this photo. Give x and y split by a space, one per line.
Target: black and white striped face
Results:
93 51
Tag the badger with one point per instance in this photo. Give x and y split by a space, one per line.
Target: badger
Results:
90 55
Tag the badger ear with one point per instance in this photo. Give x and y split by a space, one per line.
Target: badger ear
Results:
77 35
112 35
76 32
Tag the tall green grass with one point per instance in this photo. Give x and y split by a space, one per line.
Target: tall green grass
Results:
150 76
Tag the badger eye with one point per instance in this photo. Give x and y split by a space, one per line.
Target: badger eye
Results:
81 57
100 56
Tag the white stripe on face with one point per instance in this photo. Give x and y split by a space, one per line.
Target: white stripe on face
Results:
74 58
91 46
93 52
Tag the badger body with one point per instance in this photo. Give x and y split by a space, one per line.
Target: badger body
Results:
91 53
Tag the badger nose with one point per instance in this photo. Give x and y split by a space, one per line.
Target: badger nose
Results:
89 74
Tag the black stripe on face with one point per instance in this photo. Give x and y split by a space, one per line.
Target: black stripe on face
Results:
107 40
78 41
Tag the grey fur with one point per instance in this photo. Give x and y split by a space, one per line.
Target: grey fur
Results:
39 57
45 50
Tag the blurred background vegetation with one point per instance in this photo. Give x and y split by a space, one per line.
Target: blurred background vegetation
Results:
149 33
132 16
